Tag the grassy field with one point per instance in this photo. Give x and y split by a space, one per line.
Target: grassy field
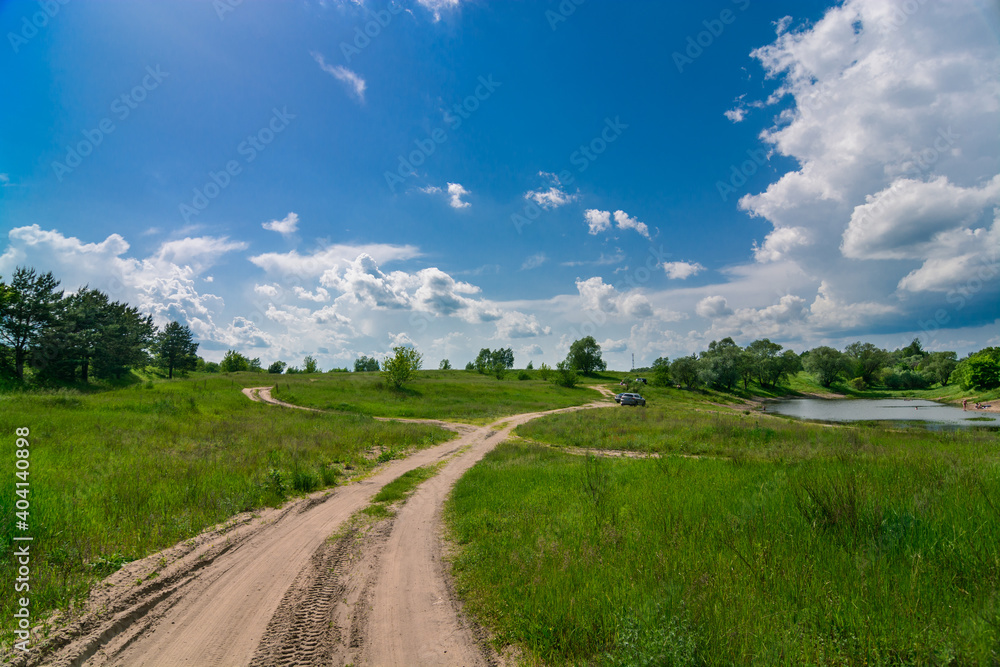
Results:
752 540
452 395
119 474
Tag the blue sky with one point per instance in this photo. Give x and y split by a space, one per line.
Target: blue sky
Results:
334 178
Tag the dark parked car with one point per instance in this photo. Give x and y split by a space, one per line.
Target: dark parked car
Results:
618 398
632 399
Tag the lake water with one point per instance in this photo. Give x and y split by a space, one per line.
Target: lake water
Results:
882 409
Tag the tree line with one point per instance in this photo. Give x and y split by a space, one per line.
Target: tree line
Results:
69 337
862 365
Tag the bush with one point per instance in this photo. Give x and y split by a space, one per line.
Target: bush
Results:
523 376
565 375
895 379
400 367
859 384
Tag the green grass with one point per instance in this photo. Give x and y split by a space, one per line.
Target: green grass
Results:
399 489
786 543
119 474
451 395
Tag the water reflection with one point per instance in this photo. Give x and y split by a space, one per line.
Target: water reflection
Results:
883 409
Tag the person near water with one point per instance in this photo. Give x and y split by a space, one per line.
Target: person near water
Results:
965 404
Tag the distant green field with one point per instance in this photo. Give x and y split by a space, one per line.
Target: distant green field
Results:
119 474
451 395
754 540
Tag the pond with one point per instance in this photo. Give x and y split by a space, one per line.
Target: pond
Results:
883 409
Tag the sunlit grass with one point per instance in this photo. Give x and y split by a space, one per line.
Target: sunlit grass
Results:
783 543
452 395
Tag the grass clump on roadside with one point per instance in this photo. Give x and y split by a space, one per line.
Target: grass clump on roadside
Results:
855 546
120 474
399 490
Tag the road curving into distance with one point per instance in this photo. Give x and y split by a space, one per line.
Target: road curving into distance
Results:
271 589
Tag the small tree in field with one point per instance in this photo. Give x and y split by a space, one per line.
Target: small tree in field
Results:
309 365
400 367
445 365
277 368
585 356
365 364
565 375
234 362
176 349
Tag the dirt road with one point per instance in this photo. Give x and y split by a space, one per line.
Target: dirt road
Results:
271 589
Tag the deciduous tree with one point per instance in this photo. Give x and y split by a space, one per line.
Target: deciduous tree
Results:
585 356
399 368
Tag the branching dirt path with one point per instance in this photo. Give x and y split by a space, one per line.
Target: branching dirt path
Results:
271 589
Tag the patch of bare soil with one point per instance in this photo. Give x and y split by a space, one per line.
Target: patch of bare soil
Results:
270 588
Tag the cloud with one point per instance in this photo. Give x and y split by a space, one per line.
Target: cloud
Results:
962 260
892 130
519 325
906 220
779 243
552 198
596 295
320 295
364 283
355 84
612 345
198 253
436 6
829 312
288 225
713 307
597 221
315 264
534 261
455 193
625 222
681 270
4 180
600 221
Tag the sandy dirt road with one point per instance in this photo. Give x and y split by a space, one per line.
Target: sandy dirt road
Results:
271 589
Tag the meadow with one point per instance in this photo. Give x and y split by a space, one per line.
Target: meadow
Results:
455 395
118 474
742 538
